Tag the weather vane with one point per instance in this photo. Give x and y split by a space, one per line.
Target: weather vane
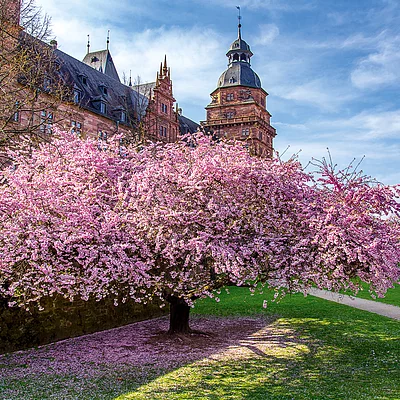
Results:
239 19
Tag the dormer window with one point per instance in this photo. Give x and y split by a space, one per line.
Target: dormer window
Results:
123 116
77 96
83 79
232 80
103 107
103 90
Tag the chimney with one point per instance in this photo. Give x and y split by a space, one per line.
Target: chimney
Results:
54 44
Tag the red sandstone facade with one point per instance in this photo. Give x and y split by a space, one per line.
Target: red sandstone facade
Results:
161 117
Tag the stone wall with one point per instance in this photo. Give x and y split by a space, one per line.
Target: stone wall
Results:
61 319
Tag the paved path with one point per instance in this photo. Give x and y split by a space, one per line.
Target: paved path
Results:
368 305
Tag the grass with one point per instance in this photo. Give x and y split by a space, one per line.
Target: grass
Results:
318 350
308 349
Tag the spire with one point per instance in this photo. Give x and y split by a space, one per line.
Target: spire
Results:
239 24
160 73
88 44
108 39
165 69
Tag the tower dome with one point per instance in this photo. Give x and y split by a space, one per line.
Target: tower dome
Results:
239 72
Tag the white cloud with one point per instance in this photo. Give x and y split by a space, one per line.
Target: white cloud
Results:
320 93
191 54
271 5
380 68
267 34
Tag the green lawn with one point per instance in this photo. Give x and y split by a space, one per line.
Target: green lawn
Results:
317 350
303 348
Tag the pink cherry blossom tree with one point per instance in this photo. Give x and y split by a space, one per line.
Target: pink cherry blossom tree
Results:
178 221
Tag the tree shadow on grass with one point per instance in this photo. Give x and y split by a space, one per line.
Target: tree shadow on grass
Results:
108 363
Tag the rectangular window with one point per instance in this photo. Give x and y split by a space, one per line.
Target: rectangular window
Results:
230 114
46 122
164 108
245 132
260 135
163 131
15 117
123 116
103 108
102 140
229 97
76 127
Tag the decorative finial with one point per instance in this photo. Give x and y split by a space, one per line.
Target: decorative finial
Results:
160 73
88 44
239 24
165 65
157 80
108 39
130 78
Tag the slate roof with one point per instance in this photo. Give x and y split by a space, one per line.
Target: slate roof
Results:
97 87
186 125
239 73
103 62
239 45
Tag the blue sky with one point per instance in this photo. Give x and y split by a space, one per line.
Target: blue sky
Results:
332 68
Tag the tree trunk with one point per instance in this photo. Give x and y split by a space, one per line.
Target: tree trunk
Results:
178 315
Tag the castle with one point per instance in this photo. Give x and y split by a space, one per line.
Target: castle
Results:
98 103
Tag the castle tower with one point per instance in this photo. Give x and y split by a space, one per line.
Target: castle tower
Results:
238 106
